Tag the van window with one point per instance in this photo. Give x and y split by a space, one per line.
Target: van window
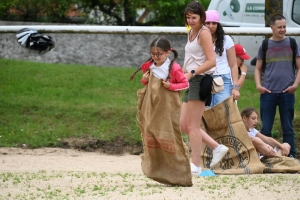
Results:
295 14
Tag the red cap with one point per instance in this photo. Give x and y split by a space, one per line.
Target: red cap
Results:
241 52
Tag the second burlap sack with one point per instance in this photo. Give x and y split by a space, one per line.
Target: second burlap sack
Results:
224 124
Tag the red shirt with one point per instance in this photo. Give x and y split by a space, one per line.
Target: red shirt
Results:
178 80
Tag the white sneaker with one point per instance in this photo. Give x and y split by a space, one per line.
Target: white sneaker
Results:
218 155
195 170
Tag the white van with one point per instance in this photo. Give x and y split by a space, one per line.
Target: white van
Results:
251 13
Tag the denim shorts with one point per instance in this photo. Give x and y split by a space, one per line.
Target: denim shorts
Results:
221 96
193 93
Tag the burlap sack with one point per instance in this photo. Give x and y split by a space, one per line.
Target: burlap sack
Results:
281 164
224 124
165 158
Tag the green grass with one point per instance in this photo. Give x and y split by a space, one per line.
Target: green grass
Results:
42 104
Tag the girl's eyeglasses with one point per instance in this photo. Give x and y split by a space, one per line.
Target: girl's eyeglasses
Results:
158 55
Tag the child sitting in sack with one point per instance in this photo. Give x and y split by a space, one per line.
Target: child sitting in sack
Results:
265 146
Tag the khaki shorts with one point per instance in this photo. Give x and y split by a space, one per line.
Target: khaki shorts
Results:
193 93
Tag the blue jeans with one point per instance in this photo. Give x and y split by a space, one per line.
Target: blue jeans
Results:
221 96
285 102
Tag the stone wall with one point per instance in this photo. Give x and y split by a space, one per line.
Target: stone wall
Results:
111 50
108 50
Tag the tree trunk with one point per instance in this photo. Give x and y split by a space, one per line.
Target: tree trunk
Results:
271 8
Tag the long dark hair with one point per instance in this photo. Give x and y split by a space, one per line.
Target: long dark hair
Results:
219 44
164 44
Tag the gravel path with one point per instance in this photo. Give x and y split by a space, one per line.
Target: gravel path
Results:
53 173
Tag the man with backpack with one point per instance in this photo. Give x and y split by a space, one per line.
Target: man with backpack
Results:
278 64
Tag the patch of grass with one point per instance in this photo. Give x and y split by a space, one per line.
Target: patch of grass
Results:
42 104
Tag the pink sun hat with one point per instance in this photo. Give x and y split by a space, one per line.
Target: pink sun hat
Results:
212 16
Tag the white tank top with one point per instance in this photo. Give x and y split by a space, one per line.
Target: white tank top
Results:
194 55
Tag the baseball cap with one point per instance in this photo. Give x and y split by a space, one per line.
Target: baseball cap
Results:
241 52
212 16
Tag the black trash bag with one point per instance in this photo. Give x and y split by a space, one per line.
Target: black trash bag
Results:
32 40
253 61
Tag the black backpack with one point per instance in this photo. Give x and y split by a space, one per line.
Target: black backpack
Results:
264 48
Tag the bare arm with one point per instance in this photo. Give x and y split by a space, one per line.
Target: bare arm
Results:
294 87
269 140
242 78
231 57
285 150
205 40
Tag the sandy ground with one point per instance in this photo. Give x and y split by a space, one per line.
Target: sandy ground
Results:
53 173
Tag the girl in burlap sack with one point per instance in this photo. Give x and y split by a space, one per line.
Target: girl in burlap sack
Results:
165 158
163 68
265 146
200 61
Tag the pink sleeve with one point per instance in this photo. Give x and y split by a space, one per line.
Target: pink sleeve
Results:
144 82
178 80
145 66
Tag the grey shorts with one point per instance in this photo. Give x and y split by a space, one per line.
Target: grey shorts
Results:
193 93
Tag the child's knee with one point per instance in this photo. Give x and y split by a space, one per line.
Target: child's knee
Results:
256 140
286 145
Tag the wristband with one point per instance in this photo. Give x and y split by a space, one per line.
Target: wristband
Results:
243 73
235 86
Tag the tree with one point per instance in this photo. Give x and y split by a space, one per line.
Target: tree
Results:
103 12
137 12
271 8
35 10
